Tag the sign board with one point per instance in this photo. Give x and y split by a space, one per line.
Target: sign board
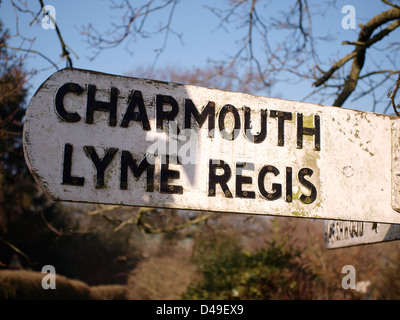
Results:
339 234
100 138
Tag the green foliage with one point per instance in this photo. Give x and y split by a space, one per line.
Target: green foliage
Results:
273 272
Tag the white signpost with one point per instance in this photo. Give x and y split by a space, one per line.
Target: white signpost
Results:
99 138
339 234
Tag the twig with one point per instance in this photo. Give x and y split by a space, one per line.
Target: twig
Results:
14 248
62 233
31 51
65 52
391 4
393 94
149 229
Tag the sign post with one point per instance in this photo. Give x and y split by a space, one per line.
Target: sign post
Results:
100 138
340 234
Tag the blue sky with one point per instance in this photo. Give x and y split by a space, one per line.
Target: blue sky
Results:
201 37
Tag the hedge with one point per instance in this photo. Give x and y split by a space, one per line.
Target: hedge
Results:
27 285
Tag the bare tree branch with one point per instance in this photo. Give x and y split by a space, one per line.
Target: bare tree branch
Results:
392 96
359 60
174 228
65 49
133 26
64 52
358 55
70 232
391 4
379 72
31 51
16 249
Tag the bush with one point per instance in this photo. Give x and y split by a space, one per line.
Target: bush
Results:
276 271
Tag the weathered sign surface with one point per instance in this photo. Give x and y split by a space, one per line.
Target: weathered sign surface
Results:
339 234
99 138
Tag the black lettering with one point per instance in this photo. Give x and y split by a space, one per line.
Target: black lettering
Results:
289 191
162 115
282 116
167 174
247 126
67 168
221 122
208 111
240 180
276 187
136 99
94 105
128 162
316 132
100 164
59 101
313 191
222 179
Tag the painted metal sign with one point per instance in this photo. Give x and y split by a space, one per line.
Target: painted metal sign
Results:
99 138
339 234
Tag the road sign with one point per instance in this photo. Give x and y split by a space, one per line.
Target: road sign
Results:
339 234
99 138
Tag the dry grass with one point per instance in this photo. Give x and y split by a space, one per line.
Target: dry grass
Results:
27 285
109 292
161 278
